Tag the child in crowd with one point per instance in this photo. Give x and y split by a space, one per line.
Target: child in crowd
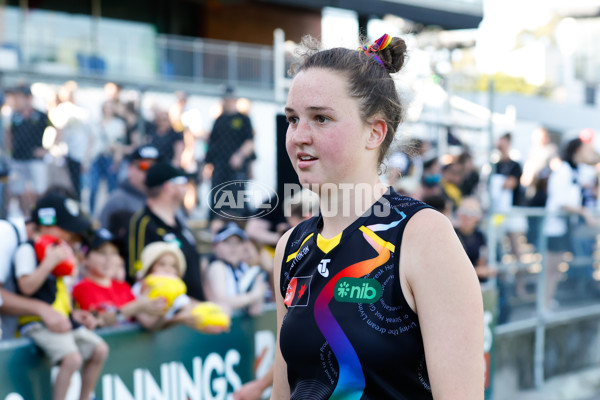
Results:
163 266
225 276
61 218
106 296
260 262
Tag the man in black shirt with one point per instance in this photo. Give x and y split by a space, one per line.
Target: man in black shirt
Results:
230 148
158 221
24 141
507 172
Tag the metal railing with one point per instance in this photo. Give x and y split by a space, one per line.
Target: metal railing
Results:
528 300
148 58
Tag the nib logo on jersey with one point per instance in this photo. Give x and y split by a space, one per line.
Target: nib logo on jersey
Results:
357 290
298 291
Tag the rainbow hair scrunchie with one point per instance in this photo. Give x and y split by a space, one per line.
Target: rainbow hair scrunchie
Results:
377 46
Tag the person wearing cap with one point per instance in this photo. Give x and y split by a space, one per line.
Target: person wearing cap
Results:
59 217
24 144
130 196
111 300
12 304
159 221
162 136
226 280
230 147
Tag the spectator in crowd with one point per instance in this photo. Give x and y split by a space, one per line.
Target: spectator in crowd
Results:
163 266
135 126
111 300
107 152
61 218
230 147
229 280
130 196
267 229
506 192
168 141
188 121
112 91
16 305
470 180
28 175
441 203
260 261
565 196
176 111
158 221
12 236
405 167
73 125
539 198
300 207
468 216
541 153
430 181
452 178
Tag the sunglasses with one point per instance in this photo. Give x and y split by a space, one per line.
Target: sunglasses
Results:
469 213
144 165
178 180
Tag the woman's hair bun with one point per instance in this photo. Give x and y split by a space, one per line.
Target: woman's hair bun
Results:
394 55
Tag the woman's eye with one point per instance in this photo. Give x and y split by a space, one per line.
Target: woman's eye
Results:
321 119
292 120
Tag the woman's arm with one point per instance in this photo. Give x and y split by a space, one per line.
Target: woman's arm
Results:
217 280
281 388
440 284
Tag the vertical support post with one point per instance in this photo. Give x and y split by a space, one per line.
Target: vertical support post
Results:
279 64
540 328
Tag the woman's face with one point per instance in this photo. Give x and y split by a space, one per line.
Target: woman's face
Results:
326 139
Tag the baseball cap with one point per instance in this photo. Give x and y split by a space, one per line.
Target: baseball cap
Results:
145 152
231 229
64 212
162 172
22 89
229 92
100 237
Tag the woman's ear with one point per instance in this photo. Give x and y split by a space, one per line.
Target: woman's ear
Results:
377 133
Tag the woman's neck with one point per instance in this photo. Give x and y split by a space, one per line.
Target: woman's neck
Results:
341 207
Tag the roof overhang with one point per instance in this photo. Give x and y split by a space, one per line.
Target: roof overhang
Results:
448 14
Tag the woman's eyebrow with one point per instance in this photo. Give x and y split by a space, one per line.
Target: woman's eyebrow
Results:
311 108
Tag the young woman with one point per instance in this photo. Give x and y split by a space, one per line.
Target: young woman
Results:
376 298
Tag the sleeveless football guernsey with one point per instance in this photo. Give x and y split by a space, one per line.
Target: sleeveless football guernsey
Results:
348 332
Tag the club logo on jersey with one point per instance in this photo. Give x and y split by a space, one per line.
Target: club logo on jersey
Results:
357 290
322 268
298 292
